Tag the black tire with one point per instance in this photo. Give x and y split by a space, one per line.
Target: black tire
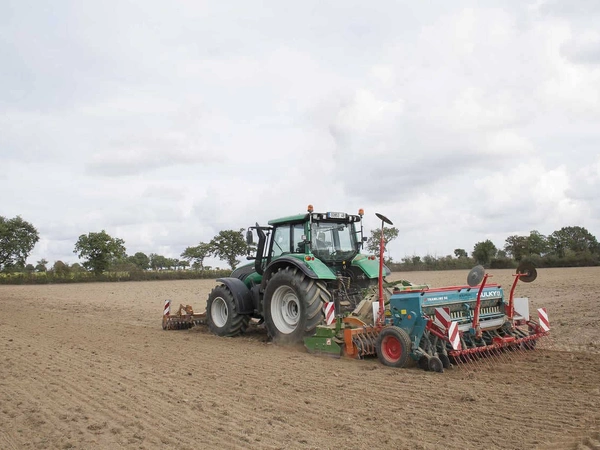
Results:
436 365
393 347
221 313
445 360
293 306
423 363
242 272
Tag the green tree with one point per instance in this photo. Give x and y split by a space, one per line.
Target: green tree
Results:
61 269
140 260
158 262
122 264
41 265
429 261
99 250
460 253
516 247
373 243
537 243
228 245
483 252
575 239
196 255
17 239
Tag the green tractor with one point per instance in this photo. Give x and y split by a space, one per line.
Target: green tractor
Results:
302 263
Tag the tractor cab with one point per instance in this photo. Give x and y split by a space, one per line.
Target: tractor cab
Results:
334 238
331 239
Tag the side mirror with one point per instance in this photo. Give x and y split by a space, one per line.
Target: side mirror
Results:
364 239
249 237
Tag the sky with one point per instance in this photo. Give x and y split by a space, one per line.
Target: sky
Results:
166 122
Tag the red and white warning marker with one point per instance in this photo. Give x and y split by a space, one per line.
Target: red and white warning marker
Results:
329 309
543 316
454 336
167 310
442 317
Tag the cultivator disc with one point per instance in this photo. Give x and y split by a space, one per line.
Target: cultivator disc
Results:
475 276
527 272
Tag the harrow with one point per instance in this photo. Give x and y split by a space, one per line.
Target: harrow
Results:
183 318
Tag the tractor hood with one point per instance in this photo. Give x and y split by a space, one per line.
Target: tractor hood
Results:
369 266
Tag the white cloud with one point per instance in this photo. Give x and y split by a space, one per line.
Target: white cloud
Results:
164 125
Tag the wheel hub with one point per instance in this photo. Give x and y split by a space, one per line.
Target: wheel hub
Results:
391 348
285 309
219 312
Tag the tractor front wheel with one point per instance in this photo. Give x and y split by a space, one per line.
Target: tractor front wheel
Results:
393 347
221 313
293 305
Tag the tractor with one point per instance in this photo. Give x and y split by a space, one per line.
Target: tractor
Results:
302 263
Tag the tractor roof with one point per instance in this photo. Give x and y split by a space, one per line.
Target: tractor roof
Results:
337 217
288 219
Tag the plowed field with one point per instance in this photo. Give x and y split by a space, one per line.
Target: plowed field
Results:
88 366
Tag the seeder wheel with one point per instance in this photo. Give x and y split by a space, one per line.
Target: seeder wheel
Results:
445 360
393 347
435 364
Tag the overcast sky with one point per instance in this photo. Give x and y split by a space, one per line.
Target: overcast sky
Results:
166 122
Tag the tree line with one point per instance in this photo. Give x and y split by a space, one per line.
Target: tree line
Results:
571 246
101 253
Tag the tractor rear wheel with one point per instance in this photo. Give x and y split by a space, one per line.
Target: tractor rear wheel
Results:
221 313
293 305
393 347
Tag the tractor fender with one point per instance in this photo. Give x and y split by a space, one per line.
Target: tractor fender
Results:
241 294
286 261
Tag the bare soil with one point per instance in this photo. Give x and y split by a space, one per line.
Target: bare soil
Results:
88 366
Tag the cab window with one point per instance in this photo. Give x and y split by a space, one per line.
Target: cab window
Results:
281 241
297 237
288 239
